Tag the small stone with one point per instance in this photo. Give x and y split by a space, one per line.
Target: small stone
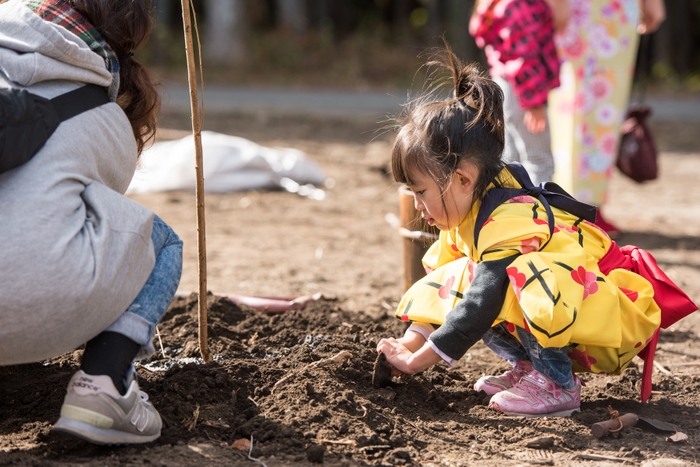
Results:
437 426
540 443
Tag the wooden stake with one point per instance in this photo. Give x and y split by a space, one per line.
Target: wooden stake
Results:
201 229
415 241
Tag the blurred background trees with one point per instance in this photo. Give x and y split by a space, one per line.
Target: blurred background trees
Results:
365 43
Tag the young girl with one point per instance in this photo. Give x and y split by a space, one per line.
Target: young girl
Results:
80 261
520 266
518 39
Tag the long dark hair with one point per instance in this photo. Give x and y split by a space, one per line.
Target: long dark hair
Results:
436 136
126 26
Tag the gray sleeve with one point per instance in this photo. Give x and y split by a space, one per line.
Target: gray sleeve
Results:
475 314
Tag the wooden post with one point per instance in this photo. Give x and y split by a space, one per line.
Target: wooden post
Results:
416 241
601 429
201 228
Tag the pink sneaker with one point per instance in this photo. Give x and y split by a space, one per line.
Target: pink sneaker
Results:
535 395
494 384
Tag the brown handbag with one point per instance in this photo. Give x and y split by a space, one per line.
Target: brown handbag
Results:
636 156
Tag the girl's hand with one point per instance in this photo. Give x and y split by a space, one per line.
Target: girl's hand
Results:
397 355
535 119
403 360
561 12
653 14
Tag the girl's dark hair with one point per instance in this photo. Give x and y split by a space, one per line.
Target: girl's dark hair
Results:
436 136
126 26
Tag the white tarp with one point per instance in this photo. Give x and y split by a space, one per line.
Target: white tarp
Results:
230 164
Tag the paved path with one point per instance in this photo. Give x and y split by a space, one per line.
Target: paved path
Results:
369 104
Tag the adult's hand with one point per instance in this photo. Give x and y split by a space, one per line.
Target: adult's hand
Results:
535 119
561 12
653 14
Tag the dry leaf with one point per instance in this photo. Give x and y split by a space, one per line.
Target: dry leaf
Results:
678 438
242 444
202 449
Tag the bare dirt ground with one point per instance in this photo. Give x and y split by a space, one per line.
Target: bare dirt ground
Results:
272 380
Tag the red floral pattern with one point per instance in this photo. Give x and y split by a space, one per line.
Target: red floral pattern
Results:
582 359
631 294
522 199
586 279
444 291
517 280
529 245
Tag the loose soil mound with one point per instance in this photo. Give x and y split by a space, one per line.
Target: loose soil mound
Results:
299 385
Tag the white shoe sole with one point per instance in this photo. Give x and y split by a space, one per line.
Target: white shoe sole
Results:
99 435
562 413
489 389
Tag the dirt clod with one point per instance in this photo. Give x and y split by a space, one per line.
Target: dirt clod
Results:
315 453
381 376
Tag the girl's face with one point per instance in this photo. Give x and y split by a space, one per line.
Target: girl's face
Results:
444 211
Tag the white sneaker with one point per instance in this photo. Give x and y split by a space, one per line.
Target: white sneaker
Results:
94 410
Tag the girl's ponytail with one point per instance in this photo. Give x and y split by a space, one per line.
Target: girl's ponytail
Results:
436 136
476 90
126 26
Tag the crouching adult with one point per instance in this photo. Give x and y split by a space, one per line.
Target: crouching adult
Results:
82 263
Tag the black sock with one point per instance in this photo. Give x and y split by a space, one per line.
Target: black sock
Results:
111 354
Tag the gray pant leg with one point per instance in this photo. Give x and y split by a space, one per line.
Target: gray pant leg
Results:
510 150
533 150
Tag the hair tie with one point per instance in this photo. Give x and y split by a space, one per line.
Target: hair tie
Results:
126 56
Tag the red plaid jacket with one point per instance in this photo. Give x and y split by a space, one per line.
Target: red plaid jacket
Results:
518 38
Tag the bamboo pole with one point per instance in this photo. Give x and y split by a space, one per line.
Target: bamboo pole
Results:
201 227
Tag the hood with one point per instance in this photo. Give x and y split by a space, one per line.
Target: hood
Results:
33 51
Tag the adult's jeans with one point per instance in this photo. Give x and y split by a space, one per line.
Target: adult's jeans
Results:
139 321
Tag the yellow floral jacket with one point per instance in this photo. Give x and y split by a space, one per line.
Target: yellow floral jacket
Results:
557 292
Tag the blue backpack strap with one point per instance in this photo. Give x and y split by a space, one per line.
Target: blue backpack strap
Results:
547 193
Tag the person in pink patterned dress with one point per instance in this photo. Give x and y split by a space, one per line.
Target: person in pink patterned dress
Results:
598 48
518 39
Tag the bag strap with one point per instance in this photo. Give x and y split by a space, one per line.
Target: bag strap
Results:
27 120
642 69
79 100
547 193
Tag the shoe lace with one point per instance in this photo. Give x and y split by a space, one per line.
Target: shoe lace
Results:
517 373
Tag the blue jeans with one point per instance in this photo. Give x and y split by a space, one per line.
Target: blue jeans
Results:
138 322
550 361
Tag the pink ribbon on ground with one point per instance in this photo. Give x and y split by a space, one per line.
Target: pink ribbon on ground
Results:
273 304
672 301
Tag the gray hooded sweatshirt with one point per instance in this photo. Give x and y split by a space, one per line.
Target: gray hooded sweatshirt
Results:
74 252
